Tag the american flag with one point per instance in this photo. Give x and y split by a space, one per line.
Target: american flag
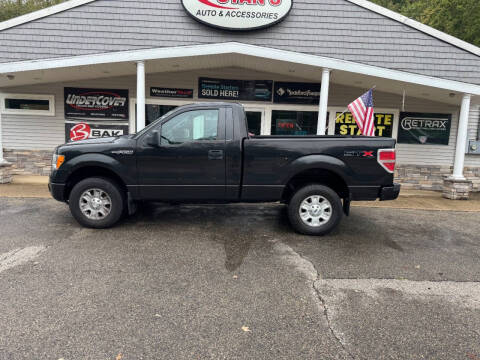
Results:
362 111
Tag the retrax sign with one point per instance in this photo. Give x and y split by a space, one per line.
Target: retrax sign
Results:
238 14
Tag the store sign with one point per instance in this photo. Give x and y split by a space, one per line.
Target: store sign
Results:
345 124
241 90
96 103
296 93
424 128
82 131
171 93
238 14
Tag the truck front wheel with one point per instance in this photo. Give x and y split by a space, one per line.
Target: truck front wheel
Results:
97 203
315 210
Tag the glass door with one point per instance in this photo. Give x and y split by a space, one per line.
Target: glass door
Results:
297 123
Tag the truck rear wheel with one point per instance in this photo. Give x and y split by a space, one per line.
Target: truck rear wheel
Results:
315 210
97 203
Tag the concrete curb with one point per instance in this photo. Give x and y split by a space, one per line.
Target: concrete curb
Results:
36 187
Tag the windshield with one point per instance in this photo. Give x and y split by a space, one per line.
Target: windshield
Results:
145 129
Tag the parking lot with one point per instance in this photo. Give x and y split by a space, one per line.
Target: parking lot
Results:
234 282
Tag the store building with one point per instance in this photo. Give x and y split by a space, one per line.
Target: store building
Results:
100 67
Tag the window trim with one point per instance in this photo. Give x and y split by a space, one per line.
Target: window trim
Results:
50 98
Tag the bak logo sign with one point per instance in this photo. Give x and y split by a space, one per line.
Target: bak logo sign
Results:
84 131
80 132
238 14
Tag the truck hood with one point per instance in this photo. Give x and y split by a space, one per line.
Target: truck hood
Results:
103 140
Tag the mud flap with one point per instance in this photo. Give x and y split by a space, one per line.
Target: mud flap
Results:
132 205
346 206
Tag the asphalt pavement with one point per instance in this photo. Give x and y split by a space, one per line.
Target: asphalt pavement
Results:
234 282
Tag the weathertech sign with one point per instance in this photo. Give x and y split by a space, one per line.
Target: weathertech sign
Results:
96 103
238 14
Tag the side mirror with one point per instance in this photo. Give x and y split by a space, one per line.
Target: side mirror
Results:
154 139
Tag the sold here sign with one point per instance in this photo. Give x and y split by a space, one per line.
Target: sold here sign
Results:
238 14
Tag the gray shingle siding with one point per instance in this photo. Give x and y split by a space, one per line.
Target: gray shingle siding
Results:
332 28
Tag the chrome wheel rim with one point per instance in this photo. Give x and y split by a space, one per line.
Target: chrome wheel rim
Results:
95 204
315 211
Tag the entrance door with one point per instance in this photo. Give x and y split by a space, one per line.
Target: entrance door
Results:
298 123
189 164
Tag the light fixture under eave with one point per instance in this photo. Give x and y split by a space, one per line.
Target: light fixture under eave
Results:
10 77
452 95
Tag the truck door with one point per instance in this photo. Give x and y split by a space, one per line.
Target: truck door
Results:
189 164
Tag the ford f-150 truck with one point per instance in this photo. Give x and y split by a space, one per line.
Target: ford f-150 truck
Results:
204 153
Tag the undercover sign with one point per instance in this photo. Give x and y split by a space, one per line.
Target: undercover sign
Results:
238 14
96 103
221 89
75 131
424 128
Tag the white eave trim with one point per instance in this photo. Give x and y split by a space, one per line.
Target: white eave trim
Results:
241 49
417 25
42 13
363 3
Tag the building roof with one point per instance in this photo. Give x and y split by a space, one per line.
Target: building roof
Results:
353 30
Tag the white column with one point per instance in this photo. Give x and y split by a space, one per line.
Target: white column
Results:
140 95
322 111
461 138
2 160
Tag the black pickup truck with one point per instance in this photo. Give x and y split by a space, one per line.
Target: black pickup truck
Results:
204 153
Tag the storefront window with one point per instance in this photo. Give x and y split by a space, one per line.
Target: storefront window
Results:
27 104
153 112
254 121
298 123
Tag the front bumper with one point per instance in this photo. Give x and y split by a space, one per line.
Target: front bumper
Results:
57 191
390 192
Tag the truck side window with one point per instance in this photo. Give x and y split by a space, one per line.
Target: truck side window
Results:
196 125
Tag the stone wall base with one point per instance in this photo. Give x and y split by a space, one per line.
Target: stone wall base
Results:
29 162
431 177
5 173
456 189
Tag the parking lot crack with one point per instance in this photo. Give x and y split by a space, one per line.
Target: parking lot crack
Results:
309 270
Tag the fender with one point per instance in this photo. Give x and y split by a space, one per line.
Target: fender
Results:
309 162
98 160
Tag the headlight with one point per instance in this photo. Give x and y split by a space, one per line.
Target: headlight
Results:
57 161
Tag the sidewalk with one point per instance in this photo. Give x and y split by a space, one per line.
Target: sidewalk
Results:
36 187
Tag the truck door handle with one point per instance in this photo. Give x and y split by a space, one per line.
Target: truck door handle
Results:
215 154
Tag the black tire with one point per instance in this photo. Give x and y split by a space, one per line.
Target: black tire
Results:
324 226
114 192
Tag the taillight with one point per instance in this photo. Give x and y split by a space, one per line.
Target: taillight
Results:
387 158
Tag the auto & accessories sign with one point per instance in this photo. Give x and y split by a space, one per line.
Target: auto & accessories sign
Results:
238 14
